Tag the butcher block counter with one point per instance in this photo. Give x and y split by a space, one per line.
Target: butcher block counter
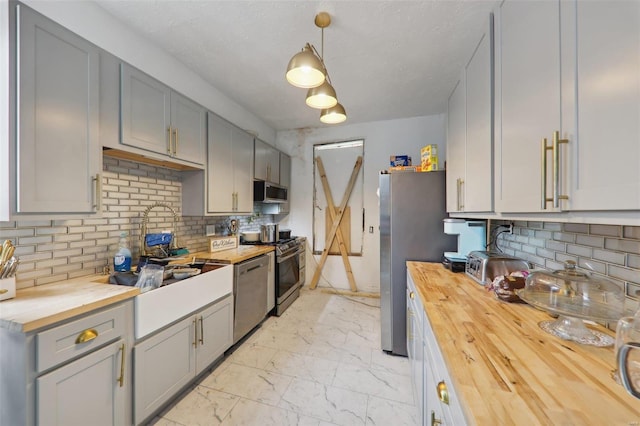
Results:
234 255
506 370
43 305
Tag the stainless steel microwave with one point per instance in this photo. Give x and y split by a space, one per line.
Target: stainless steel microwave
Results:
267 192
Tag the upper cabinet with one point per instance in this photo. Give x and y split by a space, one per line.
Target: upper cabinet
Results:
157 119
470 133
226 187
601 104
267 162
567 106
57 156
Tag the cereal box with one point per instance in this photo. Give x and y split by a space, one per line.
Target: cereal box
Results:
399 160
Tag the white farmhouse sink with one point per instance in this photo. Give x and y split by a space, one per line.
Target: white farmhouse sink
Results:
160 307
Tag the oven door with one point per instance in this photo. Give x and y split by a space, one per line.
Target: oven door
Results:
287 274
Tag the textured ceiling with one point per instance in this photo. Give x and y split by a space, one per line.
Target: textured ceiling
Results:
386 59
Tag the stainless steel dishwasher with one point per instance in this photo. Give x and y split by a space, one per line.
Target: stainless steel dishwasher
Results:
250 295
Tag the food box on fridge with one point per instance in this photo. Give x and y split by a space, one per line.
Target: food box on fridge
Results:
399 160
429 164
404 169
429 158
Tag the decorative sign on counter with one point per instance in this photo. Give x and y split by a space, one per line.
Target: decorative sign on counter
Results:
222 243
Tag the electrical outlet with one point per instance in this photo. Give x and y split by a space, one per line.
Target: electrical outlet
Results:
371 229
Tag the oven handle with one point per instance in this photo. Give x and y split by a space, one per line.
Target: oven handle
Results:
282 259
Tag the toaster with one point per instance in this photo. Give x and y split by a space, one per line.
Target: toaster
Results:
484 266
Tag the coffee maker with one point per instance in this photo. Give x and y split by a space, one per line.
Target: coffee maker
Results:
472 236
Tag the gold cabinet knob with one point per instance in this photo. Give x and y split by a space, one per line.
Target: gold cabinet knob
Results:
443 393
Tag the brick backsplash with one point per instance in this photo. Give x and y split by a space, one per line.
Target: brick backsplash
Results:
56 250
609 250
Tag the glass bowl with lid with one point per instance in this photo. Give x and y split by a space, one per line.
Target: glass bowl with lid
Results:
574 294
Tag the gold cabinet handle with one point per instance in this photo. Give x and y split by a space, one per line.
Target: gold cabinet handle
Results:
411 295
3 290
87 336
443 393
201 330
461 195
175 141
195 333
97 196
121 378
556 169
435 421
169 146
543 174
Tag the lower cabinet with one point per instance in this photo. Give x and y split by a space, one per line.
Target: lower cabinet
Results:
75 372
170 359
434 396
86 391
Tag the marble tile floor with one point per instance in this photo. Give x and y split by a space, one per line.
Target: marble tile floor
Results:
318 364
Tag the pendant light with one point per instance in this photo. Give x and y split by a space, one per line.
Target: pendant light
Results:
323 96
306 69
333 115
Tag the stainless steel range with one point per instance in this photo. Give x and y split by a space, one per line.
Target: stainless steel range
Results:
287 273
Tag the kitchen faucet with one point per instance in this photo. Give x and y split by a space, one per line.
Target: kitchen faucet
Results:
145 222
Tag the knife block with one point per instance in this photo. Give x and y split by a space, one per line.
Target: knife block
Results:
8 288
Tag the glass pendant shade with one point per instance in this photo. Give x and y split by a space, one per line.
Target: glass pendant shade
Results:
322 97
305 69
333 115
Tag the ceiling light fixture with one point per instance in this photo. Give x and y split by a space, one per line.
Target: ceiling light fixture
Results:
306 69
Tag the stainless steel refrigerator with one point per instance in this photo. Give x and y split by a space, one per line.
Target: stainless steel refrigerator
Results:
412 206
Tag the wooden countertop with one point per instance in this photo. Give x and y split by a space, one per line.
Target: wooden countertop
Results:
234 255
506 370
41 306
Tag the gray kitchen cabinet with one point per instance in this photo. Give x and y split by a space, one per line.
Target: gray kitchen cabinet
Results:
435 398
86 391
170 359
267 162
70 373
456 153
226 187
58 156
470 133
415 351
600 109
285 181
557 66
271 282
215 333
164 364
527 100
158 119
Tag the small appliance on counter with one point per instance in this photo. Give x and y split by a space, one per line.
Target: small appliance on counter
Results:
485 266
472 236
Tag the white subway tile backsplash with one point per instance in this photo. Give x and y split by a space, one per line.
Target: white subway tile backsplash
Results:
610 250
62 249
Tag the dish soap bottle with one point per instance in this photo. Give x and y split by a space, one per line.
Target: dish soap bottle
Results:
122 258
